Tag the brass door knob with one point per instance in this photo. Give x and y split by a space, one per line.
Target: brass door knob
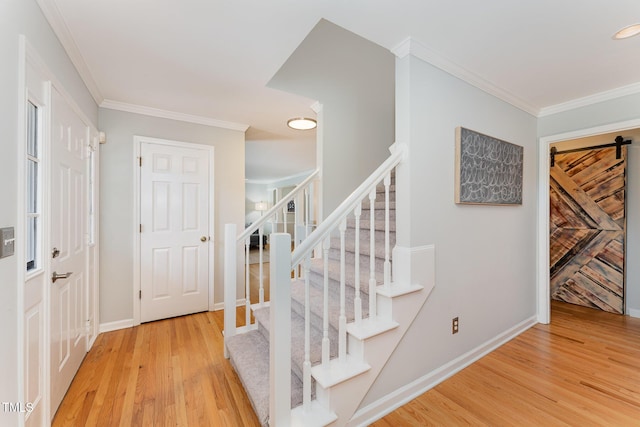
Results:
203 238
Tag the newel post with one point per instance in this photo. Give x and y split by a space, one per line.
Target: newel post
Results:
280 331
230 283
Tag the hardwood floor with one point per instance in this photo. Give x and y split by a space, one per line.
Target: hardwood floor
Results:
582 369
166 373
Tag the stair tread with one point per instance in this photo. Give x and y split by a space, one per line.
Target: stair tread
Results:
317 304
317 275
250 357
297 340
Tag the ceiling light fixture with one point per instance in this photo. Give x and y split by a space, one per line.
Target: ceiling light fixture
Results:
302 123
626 32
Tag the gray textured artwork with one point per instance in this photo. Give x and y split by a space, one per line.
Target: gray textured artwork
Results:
489 170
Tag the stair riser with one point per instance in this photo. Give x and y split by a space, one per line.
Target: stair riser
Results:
350 259
365 215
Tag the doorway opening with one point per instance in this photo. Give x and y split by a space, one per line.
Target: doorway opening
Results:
588 137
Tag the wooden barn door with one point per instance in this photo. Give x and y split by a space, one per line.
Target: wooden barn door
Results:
587 236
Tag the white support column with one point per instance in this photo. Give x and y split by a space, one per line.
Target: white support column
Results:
280 331
229 283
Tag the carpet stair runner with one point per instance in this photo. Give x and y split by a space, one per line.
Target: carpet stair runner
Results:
249 352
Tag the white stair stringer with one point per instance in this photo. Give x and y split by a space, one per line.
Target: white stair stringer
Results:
341 389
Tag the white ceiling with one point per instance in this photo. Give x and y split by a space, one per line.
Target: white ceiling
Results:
213 58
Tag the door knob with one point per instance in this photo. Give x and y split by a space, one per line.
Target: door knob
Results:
55 276
204 238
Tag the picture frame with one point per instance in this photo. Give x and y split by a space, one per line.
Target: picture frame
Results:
291 206
488 170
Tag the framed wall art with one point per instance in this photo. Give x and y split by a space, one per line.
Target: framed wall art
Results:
488 170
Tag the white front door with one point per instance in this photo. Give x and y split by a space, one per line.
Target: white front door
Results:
68 291
175 230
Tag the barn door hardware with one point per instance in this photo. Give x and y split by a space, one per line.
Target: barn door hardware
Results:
619 142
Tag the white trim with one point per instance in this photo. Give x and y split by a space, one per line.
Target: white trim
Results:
381 407
596 98
20 234
117 325
58 24
410 46
241 302
137 143
634 312
542 261
172 115
278 180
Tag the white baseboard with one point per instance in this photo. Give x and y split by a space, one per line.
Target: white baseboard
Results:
633 312
376 410
220 305
128 323
114 326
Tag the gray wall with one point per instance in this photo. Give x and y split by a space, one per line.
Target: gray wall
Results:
116 190
22 17
485 256
353 79
608 113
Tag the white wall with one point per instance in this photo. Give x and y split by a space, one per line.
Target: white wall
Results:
22 17
116 190
610 113
353 79
485 255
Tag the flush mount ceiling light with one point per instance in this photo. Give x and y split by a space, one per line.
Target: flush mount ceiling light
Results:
626 32
301 123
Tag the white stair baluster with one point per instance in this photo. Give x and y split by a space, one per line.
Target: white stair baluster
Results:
372 255
261 289
325 315
247 284
306 366
357 300
387 246
342 320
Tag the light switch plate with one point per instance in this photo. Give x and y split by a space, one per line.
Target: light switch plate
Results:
7 242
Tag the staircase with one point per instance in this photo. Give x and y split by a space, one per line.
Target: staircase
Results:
338 353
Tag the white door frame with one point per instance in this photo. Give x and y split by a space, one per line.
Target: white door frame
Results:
542 259
137 143
29 58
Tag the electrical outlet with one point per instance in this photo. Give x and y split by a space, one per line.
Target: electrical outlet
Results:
454 325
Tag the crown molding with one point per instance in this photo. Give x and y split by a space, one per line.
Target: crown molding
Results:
59 26
316 107
411 47
608 95
173 115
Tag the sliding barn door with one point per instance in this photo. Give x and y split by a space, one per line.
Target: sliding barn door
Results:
587 236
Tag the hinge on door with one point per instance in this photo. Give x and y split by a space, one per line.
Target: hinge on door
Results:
140 294
140 161
141 228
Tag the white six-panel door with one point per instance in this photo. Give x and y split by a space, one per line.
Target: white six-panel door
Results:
174 230
68 298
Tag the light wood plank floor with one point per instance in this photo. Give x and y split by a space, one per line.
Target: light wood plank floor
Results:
582 370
